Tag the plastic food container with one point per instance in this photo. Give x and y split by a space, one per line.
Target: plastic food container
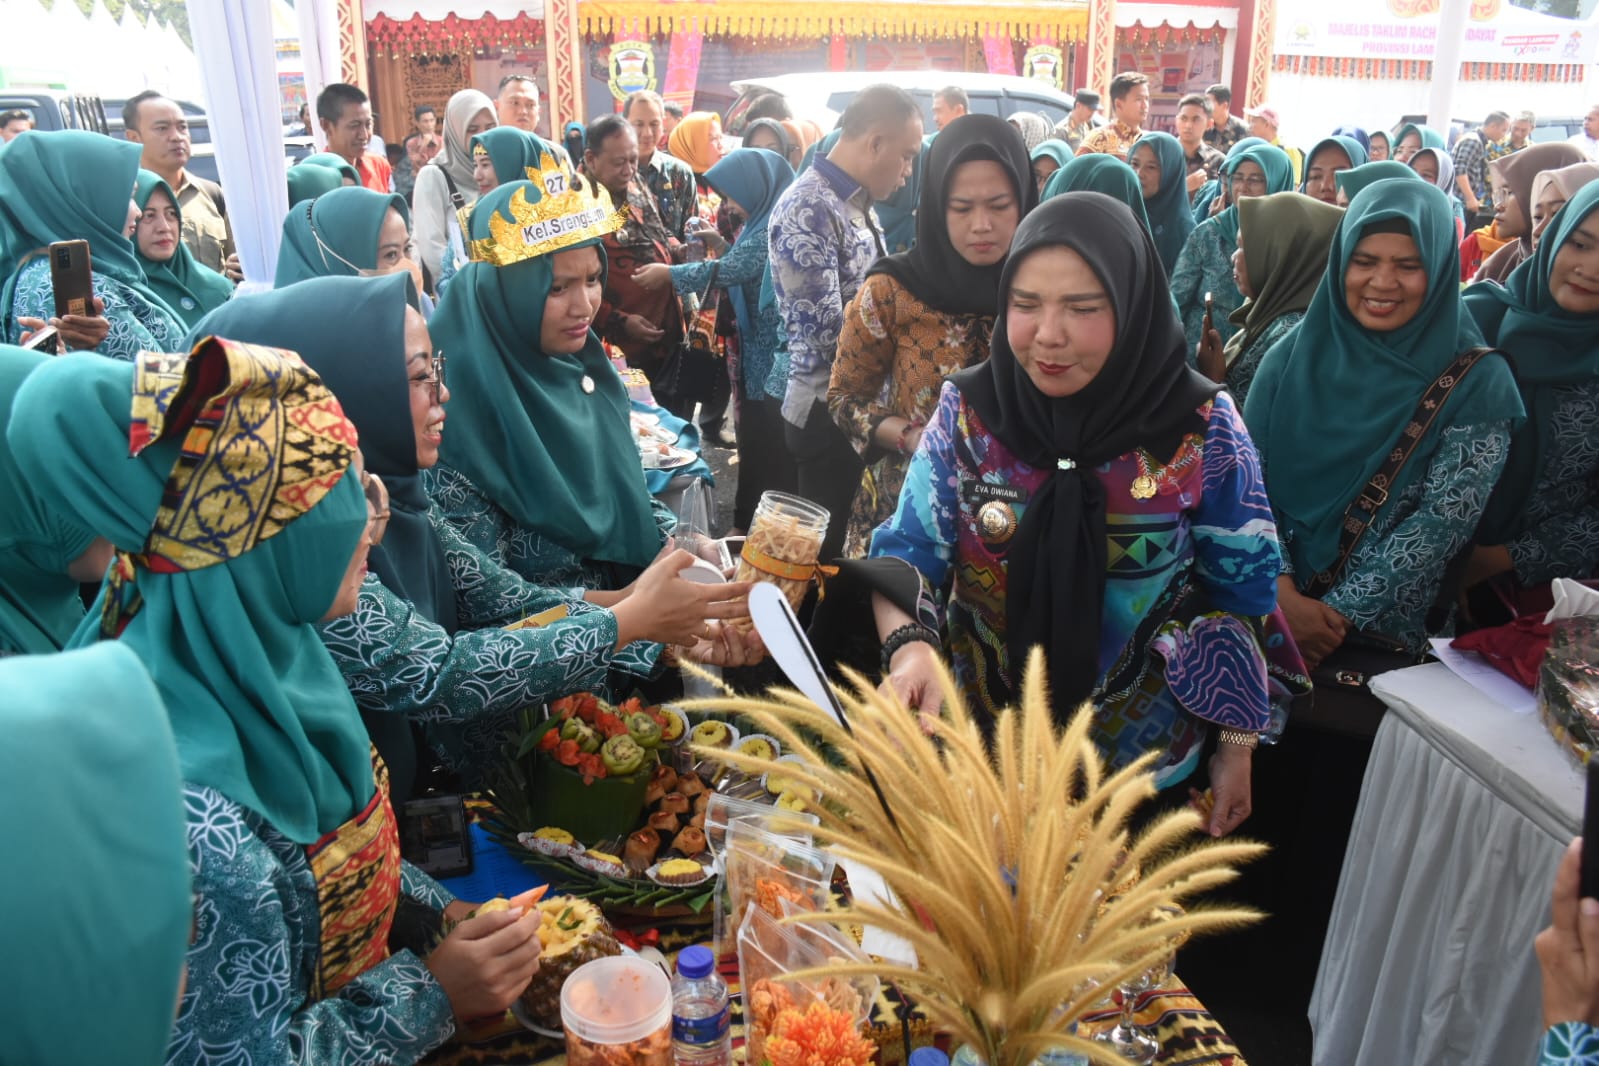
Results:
617 1010
784 544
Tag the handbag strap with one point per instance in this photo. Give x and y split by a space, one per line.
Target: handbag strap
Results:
1362 510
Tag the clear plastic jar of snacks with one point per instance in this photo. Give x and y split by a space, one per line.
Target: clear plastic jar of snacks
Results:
784 544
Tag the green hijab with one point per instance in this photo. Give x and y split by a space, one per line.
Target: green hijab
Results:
1279 170
1430 138
1332 398
331 161
335 235
1098 172
99 895
1549 346
1351 182
576 476
513 151
309 182
1285 237
188 286
351 331
221 615
1055 149
39 604
68 185
1171 219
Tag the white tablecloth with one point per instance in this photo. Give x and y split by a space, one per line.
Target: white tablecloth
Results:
1464 813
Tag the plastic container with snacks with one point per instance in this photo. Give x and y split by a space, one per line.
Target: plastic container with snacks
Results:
617 1012
784 544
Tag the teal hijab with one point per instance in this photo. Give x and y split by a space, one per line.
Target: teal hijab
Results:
1171 219
1279 171
39 603
576 477
1353 149
68 185
309 182
331 161
1430 138
99 893
189 287
512 152
1332 398
1352 182
1058 150
753 178
351 331
259 710
335 235
1549 346
1206 196
1099 172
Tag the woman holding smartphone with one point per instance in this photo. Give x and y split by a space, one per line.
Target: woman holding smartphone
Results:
70 185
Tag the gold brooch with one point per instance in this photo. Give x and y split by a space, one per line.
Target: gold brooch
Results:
996 522
1143 487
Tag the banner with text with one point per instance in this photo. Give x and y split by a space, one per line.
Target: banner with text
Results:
1408 29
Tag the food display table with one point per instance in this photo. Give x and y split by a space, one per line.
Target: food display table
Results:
1465 811
1189 1035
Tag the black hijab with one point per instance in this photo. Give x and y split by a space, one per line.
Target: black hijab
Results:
933 270
351 331
1145 396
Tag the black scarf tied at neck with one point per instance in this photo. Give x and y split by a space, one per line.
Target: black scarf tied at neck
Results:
1145 396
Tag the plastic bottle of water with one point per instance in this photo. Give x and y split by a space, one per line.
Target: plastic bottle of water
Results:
701 1023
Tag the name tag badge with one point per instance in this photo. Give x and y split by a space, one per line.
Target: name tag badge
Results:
982 491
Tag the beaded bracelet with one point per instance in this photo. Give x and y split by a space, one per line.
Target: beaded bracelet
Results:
910 633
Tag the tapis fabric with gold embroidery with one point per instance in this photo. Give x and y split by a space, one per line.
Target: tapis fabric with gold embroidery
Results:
357 871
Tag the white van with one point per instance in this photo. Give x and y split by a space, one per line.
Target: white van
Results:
823 96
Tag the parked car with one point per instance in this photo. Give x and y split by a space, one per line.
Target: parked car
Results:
823 96
55 109
199 124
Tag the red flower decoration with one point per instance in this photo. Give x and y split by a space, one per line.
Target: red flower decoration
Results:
567 753
550 739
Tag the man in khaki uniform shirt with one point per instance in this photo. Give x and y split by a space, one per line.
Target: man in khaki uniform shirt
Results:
160 128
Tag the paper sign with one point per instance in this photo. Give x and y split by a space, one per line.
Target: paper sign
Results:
1481 675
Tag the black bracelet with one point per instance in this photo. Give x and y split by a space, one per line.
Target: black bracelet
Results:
909 633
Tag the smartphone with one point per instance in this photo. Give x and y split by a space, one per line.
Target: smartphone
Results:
1590 836
46 340
435 835
1210 313
71 279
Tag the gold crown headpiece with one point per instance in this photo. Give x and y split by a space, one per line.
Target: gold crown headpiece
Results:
565 215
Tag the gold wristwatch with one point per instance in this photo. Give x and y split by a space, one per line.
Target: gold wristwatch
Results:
1240 738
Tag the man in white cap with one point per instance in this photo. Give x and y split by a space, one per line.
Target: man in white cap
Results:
1263 123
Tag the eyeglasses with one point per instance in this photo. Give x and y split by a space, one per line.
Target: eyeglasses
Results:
434 382
1255 183
377 505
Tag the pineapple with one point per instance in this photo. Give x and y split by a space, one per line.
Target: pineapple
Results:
572 932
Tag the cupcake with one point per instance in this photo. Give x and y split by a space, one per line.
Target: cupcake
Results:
675 727
665 822
702 802
600 862
714 734
758 745
698 821
690 841
777 782
552 841
794 801
674 803
679 872
641 849
690 785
